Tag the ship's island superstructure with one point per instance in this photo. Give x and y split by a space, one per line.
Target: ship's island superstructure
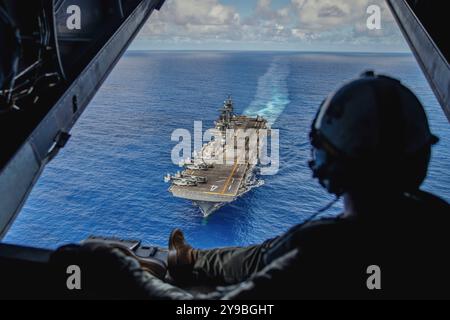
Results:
217 174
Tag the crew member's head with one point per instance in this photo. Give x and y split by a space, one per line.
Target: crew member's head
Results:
372 134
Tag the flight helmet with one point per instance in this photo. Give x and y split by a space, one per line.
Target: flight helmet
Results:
371 133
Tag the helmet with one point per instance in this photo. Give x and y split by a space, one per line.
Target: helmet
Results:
372 131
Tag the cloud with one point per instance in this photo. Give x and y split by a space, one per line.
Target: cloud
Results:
317 18
201 12
192 19
264 10
325 22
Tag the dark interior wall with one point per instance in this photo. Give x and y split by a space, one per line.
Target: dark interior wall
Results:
434 17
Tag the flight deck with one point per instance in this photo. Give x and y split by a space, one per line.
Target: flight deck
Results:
223 169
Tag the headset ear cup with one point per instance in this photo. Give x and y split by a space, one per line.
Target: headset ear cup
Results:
334 175
328 174
339 178
334 178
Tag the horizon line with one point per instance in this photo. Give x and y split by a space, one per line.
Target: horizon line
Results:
267 51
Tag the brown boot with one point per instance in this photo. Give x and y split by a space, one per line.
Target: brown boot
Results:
181 258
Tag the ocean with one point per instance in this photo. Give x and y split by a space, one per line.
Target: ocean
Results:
108 180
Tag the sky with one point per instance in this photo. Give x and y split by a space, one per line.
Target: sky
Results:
270 25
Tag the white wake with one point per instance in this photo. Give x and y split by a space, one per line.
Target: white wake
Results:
272 94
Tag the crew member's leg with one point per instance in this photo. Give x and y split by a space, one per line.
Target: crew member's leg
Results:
224 266
229 265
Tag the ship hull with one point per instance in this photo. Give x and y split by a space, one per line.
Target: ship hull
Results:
208 208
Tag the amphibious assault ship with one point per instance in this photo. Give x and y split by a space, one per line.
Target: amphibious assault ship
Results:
224 169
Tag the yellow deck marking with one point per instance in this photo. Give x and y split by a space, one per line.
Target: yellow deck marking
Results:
227 183
225 187
220 194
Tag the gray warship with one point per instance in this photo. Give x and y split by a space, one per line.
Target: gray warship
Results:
223 169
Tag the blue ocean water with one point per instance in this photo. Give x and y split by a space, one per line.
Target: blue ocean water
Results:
109 178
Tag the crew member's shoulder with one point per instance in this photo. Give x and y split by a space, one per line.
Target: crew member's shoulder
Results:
425 204
324 228
326 222
430 200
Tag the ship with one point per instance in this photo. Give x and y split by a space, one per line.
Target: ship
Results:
225 168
